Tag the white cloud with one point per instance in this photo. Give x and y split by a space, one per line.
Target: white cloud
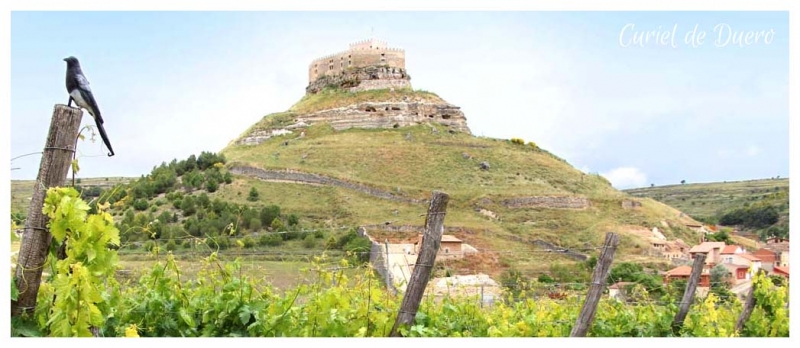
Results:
626 177
753 150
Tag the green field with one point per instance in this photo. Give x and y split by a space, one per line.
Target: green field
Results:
708 199
22 190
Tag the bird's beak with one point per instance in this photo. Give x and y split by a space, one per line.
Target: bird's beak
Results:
65 59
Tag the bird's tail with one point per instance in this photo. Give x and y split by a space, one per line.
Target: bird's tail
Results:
105 138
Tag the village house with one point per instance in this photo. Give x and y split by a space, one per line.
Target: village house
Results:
781 271
775 254
728 252
752 262
776 240
658 244
684 272
738 273
712 250
618 290
450 247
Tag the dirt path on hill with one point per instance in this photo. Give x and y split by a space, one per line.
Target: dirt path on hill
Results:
297 177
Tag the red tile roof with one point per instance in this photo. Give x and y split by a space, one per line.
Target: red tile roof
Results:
680 271
730 249
780 269
750 257
706 247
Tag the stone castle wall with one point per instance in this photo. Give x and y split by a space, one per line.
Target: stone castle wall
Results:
362 79
361 54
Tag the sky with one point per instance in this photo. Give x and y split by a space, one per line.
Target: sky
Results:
582 85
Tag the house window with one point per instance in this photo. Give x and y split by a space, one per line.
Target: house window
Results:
446 250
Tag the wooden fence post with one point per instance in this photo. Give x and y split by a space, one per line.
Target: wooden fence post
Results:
688 294
53 169
750 304
601 270
431 240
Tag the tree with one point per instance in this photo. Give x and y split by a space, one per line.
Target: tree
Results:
652 185
720 283
309 242
683 182
212 185
253 195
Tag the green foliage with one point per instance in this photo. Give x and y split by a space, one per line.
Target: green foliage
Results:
309 242
515 283
170 246
292 219
755 216
270 239
720 236
277 225
248 242
255 224
140 204
253 195
546 279
83 283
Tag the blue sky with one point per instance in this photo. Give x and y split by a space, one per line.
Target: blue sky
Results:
171 84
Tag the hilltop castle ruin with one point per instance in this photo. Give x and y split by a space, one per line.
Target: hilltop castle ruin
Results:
368 64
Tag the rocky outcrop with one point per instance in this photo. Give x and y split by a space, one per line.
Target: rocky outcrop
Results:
555 202
389 115
631 204
363 79
315 179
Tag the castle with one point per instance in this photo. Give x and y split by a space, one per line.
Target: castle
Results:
368 64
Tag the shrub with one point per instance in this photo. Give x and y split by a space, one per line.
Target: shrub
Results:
253 195
517 141
212 185
248 242
255 224
171 245
140 204
309 242
270 239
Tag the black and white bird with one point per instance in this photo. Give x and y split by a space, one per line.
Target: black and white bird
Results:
79 91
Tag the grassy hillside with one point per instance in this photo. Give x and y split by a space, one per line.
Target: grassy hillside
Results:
710 201
410 162
22 190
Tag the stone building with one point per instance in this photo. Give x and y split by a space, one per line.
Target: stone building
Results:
367 64
450 247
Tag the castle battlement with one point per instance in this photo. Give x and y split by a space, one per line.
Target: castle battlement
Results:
360 54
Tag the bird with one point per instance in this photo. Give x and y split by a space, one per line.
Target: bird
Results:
79 91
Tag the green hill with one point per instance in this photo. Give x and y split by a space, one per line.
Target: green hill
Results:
711 202
382 177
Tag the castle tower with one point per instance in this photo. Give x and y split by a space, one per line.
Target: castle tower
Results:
367 60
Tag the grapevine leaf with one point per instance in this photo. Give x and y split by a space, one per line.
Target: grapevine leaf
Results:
186 317
75 167
14 290
244 315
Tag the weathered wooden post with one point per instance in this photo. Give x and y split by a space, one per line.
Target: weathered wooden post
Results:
601 270
431 240
750 304
688 294
53 169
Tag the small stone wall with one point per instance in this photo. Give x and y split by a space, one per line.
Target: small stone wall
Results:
554 202
308 178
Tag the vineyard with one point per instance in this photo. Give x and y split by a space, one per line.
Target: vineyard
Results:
81 297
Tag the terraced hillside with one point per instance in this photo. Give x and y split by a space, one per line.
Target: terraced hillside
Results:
712 201
507 198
